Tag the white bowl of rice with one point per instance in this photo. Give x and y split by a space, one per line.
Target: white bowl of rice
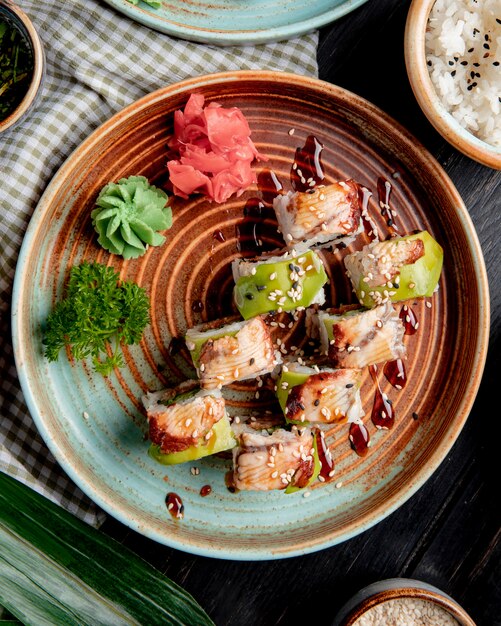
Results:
402 602
453 60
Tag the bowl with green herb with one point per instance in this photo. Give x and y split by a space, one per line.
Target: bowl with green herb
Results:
22 64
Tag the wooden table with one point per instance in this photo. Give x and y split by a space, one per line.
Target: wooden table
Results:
448 533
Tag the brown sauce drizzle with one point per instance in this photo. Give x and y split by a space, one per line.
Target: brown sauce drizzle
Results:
395 373
229 481
384 192
307 170
325 457
197 306
176 344
205 490
409 320
174 505
248 231
359 438
395 370
382 415
218 235
269 185
370 227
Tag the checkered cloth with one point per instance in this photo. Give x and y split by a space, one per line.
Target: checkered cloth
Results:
98 62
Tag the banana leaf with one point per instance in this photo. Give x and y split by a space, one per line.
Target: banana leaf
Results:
55 569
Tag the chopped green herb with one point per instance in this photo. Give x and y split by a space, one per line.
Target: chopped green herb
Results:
98 314
16 66
156 4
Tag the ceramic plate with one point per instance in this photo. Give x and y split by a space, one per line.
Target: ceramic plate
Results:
95 427
237 21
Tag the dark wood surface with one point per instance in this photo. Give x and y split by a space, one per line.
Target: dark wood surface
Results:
448 533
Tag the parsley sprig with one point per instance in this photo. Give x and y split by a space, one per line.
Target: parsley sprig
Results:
97 316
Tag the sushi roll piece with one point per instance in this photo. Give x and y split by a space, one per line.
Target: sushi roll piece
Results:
320 395
330 214
187 423
232 352
280 460
397 269
361 337
281 283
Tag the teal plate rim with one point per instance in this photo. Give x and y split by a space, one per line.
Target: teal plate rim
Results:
200 29
22 341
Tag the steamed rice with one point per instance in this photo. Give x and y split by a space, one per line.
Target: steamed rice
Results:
463 52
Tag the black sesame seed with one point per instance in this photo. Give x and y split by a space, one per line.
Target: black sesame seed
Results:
252 361
476 64
295 285
498 20
450 62
301 406
453 73
471 49
341 245
390 222
470 87
495 63
317 402
310 191
349 385
428 63
486 46
472 74
475 31
456 58
415 416
477 74
486 37
260 287
464 62
249 296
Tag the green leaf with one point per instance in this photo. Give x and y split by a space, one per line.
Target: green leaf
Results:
98 312
57 570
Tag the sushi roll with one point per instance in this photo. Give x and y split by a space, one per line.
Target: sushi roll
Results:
330 214
281 283
237 351
320 395
397 269
360 337
280 460
187 423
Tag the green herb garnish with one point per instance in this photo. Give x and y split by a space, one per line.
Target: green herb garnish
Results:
98 314
155 4
16 64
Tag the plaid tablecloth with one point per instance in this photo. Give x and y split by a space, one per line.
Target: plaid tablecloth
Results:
98 62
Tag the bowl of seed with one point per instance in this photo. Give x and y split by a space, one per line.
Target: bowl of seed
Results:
398 601
22 65
453 58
